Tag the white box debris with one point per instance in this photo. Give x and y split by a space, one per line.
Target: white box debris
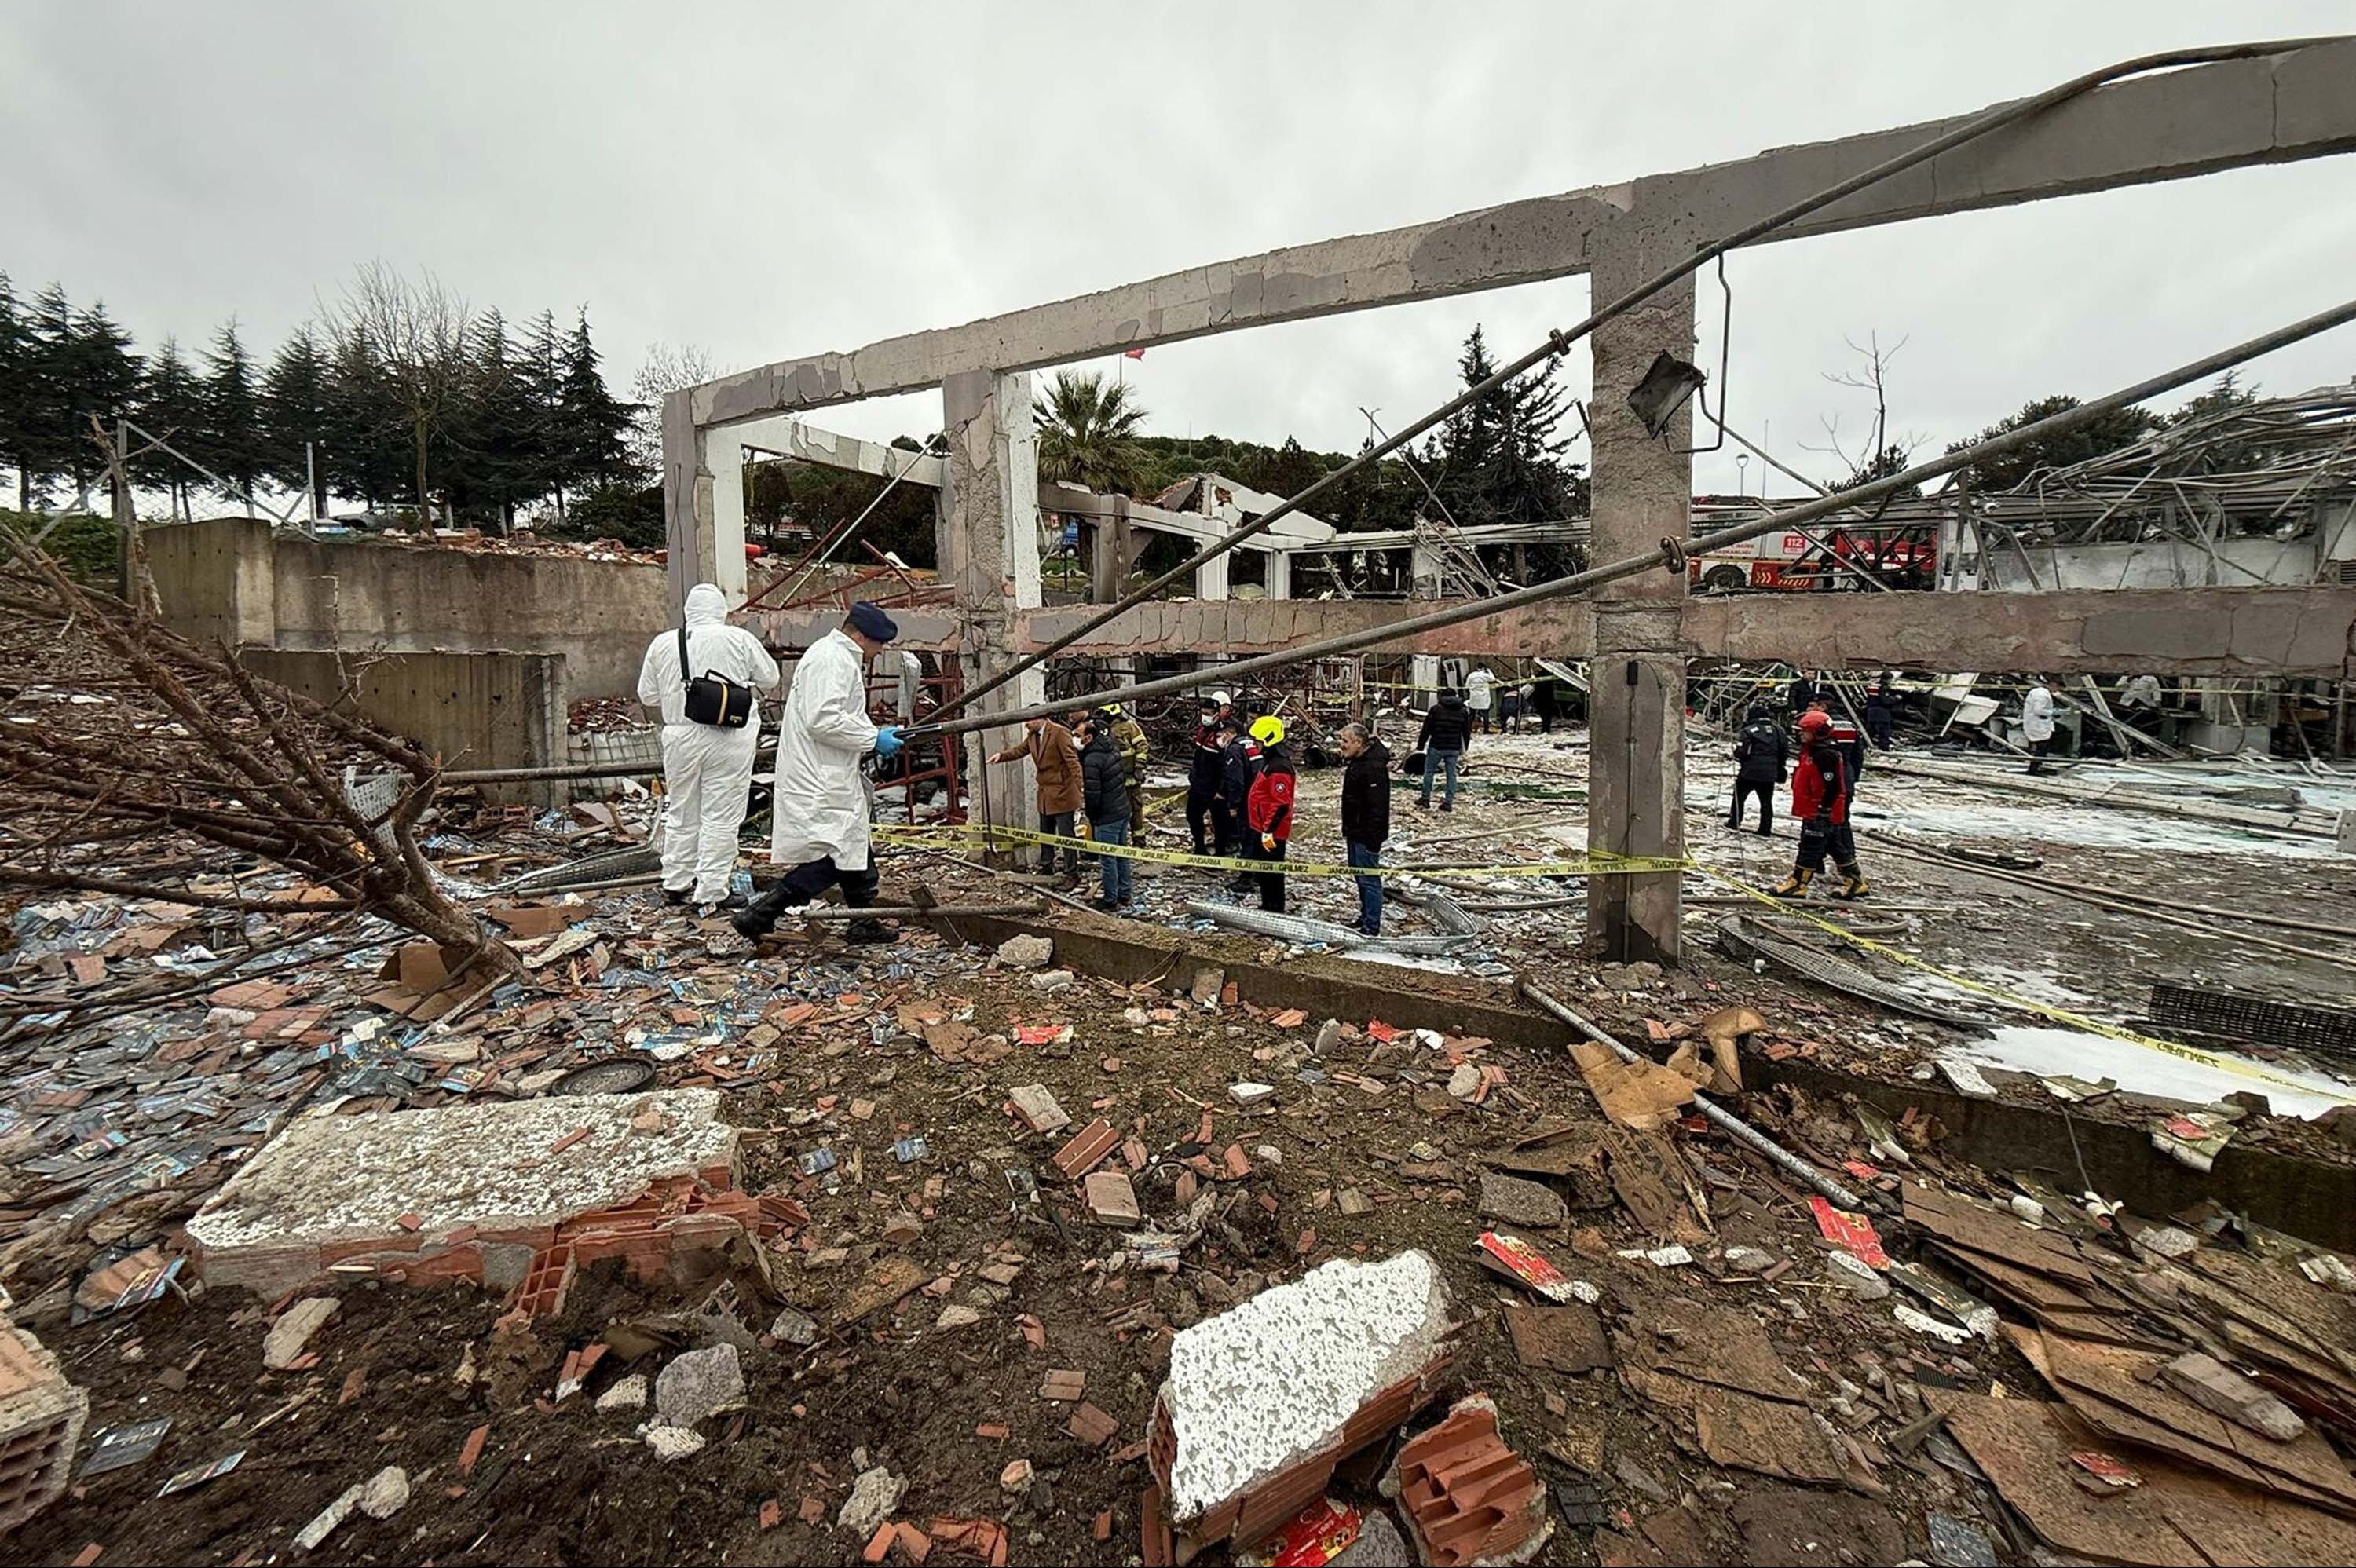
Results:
1287 1377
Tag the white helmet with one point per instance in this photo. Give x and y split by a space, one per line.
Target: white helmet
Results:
1220 698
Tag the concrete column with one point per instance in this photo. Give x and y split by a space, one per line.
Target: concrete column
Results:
687 502
1211 578
1643 493
989 536
1276 573
723 463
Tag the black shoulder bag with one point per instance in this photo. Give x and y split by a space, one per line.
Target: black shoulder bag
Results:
713 699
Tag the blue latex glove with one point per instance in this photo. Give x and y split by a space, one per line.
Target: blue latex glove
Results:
888 741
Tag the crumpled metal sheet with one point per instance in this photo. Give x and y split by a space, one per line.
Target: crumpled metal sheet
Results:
1747 938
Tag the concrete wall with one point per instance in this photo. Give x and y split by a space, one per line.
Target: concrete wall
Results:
471 709
2154 563
2308 632
230 580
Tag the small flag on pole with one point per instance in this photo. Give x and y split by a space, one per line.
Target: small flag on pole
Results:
1132 353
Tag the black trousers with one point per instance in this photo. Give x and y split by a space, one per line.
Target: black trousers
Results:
1203 814
1819 839
1059 824
1271 883
807 881
1743 789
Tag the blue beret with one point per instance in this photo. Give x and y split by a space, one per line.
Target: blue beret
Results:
869 620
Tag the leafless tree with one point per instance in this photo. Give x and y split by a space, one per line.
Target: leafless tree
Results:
416 330
124 745
668 367
1881 454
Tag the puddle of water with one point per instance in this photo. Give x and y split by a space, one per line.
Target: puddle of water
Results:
2144 1070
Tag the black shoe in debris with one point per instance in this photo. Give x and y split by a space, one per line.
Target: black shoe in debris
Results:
723 906
1108 905
863 932
678 897
748 926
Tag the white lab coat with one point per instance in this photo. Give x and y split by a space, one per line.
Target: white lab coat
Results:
2037 714
822 806
1478 686
707 771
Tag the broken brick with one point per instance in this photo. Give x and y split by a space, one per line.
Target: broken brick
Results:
878 1544
1088 1151
915 1544
1467 1497
1063 1384
1092 1426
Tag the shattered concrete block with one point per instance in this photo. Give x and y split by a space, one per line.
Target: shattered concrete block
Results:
41 1418
1206 987
323 1524
699 1384
1521 1203
630 1393
1026 952
386 1493
2219 1390
873 1497
1379 1545
1857 1277
1263 1400
1468 1497
1111 1200
287 1339
336 1189
1249 1094
1038 1108
673 1442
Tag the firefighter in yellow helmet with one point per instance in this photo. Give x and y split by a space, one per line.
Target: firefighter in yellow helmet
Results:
1267 810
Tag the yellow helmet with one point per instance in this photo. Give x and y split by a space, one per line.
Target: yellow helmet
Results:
1268 730
1111 711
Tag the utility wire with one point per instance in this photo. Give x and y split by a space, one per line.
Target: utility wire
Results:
1559 342
1674 552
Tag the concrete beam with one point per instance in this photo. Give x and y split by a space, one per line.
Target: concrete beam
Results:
798 439
2308 632
2301 632
1237 627
2169 126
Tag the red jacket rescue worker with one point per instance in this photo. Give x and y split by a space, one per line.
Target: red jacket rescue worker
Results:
1268 809
1820 795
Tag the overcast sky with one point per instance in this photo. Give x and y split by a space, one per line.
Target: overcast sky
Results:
768 181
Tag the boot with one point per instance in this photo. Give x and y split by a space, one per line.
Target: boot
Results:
1797 887
1852 881
859 932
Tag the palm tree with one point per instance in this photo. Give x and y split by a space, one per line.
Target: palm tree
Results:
1084 434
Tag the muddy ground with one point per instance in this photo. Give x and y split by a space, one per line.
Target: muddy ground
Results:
565 1484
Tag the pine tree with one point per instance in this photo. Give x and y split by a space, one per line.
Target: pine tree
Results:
497 437
16 402
233 443
2106 433
366 435
102 380
592 426
1499 459
172 409
540 367
295 417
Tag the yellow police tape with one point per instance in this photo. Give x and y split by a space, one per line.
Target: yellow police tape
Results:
1588 864
2060 1015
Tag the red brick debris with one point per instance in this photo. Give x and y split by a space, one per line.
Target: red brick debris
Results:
1467 1497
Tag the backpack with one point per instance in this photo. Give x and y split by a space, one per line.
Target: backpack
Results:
713 699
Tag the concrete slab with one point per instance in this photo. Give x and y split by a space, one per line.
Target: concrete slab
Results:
503 1173
1265 1398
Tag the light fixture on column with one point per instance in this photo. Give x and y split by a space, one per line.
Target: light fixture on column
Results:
1665 389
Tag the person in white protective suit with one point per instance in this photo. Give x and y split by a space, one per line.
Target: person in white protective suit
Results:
821 800
707 767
